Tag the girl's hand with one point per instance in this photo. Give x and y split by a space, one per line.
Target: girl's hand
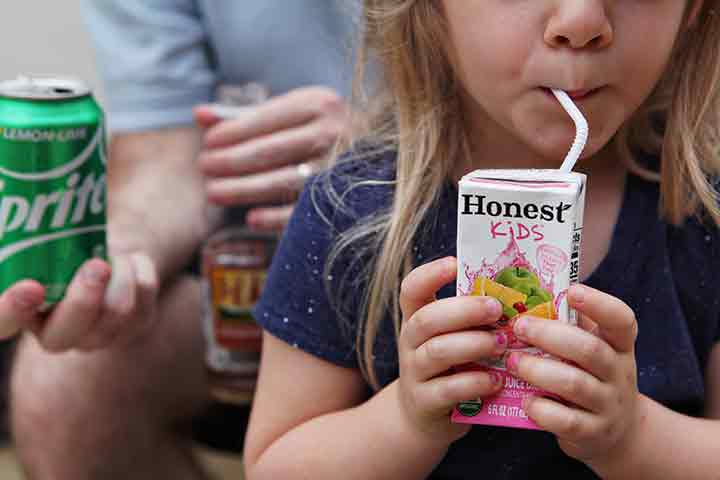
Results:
437 335
602 387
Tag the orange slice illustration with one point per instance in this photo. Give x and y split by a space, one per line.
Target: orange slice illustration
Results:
544 310
508 296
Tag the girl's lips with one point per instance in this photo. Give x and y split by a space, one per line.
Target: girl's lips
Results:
578 93
575 94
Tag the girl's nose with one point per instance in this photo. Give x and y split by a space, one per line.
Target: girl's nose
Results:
579 24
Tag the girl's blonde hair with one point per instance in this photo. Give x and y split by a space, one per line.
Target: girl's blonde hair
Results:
415 112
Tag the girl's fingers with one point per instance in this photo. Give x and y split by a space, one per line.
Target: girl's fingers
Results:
450 315
19 306
561 379
419 287
566 422
443 393
80 310
568 342
614 317
440 353
588 325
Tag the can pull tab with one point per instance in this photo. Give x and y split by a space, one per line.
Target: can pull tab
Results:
43 88
37 86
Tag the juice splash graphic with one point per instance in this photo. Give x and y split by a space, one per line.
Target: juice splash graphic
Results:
518 285
519 234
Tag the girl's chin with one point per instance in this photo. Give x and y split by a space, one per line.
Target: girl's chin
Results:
553 155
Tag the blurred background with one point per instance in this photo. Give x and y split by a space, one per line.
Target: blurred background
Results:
44 37
49 37
40 36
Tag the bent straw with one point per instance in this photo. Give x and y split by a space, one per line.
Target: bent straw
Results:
581 128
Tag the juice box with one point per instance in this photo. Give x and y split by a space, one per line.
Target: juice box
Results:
518 240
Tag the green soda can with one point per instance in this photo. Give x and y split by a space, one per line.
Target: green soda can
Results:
52 181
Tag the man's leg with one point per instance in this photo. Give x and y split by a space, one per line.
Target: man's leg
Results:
115 413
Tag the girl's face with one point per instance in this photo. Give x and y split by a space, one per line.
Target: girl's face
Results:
607 54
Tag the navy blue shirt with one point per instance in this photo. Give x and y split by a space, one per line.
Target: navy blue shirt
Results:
666 274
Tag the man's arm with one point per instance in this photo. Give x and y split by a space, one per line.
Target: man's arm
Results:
156 199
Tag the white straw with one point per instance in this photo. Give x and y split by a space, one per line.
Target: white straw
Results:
581 128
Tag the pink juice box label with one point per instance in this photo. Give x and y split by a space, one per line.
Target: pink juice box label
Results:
518 240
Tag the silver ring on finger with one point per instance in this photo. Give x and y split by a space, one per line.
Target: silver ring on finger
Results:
304 170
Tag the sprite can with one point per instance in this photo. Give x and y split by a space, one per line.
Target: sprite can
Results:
52 181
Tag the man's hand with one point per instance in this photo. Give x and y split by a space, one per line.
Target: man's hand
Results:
264 154
103 306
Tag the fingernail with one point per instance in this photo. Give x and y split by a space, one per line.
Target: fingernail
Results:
253 219
451 264
493 306
25 300
501 340
512 362
95 276
520 327
526 401
145 269
496 378
119 289
578 294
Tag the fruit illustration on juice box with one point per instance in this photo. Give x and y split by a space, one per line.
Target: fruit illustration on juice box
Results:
519 291
519 240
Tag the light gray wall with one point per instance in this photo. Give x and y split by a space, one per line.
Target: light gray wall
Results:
46 36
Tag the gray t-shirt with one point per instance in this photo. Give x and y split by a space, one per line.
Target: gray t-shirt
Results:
160 58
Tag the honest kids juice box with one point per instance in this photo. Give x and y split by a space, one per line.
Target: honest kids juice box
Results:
519 234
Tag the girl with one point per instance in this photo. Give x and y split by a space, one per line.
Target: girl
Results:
356 379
